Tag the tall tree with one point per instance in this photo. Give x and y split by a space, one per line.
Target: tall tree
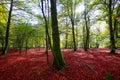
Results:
71 14
7 30
66 35
58 62
108 6
112 40
48 40
86 17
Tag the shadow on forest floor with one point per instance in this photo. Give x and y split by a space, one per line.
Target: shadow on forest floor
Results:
95 64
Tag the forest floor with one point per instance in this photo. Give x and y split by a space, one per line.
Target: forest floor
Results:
95 64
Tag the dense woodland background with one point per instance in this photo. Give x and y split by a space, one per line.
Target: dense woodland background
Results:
59 24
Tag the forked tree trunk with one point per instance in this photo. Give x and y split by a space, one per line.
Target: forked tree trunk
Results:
48 40
58 62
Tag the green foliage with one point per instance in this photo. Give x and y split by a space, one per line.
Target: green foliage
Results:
36 33
19 3
109 76
23 32
3 15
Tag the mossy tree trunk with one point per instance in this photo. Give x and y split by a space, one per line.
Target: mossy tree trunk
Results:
58 62
112 40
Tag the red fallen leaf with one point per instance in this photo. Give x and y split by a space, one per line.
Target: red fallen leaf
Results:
80 65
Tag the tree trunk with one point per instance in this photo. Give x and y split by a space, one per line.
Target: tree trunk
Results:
7 30
47 50
87 31
66 40
58 62
48 40
66 35
83 37
73 34
26 45
71 14
112 40
77 37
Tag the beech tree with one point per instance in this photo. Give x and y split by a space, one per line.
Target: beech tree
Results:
58 58
87 28
108 7
112 39
46 21
7 30
71 14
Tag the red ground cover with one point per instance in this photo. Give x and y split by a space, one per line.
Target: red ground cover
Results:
80 65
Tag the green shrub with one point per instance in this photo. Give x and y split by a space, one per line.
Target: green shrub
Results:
109 76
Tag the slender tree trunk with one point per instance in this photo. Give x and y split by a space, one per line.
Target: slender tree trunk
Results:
48 40
112 40
87 31
46 27
73 28
20 46
66 35
58 62
71 14
83 37
77 37
115 27
97 44
73 34
47 49
7 30
26 46
66 40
